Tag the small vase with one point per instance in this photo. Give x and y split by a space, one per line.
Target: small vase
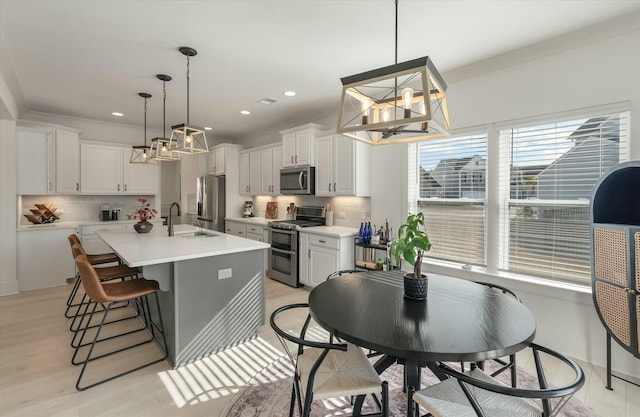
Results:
415 288
143 227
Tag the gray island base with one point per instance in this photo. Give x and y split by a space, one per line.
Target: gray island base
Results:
212 290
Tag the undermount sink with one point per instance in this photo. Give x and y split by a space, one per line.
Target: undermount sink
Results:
191 235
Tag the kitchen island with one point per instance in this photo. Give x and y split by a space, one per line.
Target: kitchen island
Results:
212 292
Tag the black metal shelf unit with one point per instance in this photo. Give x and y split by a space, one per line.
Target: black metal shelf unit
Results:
373 249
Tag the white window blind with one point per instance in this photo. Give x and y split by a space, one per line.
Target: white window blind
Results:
448 184
547 174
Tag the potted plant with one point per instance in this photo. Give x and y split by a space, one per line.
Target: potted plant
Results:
144 213
411 244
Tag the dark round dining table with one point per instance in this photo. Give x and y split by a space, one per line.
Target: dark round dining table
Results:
459 321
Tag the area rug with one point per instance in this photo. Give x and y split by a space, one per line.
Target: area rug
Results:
268 394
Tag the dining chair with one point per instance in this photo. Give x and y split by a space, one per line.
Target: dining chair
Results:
477 393
94 259
110 295
326 370
505 365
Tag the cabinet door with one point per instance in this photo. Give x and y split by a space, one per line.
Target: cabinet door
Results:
343 178
219 157
100 169
324 166
277 165
67 162
304 148
33 163
303 258
43 258
236 228
254 173
244 168
322 262
288 150
266 167
139 178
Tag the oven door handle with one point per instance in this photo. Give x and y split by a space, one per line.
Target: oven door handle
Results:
282 231
288 252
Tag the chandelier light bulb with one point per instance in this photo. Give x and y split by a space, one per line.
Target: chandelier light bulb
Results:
364 106
407 99
423 111
386 115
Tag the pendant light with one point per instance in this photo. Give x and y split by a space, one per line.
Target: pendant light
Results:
161 146
404 102
188 139
141 154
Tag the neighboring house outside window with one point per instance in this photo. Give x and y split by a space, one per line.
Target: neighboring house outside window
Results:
547 174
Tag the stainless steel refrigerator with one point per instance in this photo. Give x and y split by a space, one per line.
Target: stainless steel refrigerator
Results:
210 201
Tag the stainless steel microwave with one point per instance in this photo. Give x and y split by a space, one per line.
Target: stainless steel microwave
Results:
298 180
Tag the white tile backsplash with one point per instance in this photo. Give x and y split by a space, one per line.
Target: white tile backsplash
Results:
81 207
347 211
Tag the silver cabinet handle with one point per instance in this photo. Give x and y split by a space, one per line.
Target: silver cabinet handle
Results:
334 186
49 186
77 186
309 254
125 187
329 186
296 159
292 159
118 187
322 241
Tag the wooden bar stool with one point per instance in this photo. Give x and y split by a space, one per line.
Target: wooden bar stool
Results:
97 259
108 295
106 273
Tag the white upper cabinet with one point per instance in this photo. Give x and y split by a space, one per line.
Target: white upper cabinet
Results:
47 160
254 173
244 167
105 169
271 162
342 166
298 145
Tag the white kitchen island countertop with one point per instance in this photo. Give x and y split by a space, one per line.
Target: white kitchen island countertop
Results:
156 247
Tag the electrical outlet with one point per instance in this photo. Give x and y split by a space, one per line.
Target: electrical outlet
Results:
224 273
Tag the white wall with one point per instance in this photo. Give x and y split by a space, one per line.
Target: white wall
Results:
585 69
8 204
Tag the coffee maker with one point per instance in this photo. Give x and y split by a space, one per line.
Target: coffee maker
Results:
247 209
105 213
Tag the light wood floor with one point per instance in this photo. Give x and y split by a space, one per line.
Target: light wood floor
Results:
37 379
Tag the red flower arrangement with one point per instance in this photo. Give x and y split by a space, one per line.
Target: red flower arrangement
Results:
144 212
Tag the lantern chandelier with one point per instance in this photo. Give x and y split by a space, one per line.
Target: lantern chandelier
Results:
187 138
404 102
141 154
161 147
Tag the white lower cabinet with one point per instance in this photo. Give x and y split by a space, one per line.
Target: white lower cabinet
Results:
255 232
44 258
320 255
235 228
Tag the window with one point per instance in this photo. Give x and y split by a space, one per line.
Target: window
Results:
548 172
449 188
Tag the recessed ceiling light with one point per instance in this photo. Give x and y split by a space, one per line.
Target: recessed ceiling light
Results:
267 101
245 112
289 93
207 128
117 113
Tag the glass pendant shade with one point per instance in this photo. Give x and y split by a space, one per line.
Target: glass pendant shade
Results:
404 102
142 154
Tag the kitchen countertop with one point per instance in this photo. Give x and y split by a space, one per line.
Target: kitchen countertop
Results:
77 223
155 247
335 231
251 220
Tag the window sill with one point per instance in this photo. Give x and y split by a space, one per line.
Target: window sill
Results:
543 287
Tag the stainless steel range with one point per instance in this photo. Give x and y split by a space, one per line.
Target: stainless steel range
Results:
283 236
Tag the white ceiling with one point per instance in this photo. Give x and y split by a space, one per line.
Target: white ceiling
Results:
90 58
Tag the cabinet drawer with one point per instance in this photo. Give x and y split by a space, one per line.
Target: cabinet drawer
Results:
324 241
91 230
237 229
258 230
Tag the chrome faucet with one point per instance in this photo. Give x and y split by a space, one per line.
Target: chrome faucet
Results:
170 220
